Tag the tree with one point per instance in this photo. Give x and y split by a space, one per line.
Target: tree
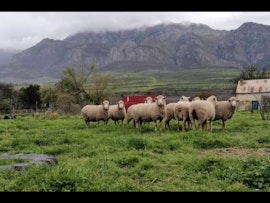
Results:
48 97
74 81
30 96
100 88
66 104
6 94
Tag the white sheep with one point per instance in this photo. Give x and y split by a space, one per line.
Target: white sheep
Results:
145 112
225 110
203 111
148 100
129 115
196 98
96 112
117 112
170 110
181 113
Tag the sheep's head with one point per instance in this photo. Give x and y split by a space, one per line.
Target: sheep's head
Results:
148 100
184 98
196 98
161 100
106 105
233 101
121 105
212 99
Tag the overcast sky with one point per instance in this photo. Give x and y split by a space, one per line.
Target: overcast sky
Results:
21 30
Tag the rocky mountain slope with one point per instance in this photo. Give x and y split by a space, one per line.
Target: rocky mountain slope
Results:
161 47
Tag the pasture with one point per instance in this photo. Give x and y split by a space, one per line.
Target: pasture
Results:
116 158
182 82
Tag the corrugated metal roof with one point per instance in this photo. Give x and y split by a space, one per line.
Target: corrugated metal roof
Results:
253 86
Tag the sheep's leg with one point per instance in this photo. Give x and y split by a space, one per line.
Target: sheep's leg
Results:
87 122
189 124
210 125
178 124
223 124
183 125
167 122
160 125
192 121
203 125
138 123
156 125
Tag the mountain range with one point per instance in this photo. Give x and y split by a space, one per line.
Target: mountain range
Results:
173 46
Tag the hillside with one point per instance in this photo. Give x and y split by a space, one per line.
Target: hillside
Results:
162 47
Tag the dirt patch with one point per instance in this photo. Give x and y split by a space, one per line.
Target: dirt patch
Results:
241 152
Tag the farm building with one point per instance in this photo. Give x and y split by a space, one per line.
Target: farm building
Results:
251 92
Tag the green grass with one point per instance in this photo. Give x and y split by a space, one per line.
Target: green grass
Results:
183 82
116 158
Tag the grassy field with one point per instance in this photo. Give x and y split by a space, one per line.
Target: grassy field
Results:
113 158
184 82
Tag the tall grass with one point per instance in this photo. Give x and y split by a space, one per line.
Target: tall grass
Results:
116 158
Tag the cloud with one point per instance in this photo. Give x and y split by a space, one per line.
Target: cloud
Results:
21 30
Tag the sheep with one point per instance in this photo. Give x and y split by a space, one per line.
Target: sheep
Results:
203 111
170 110
129 117
144 112
148 100
129 114
196 98
96 112
117 112
225 110
181 112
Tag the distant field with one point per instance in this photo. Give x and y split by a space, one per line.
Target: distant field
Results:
187 82
113 158
184 82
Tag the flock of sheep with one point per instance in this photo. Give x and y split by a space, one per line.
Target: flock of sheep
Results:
204 111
